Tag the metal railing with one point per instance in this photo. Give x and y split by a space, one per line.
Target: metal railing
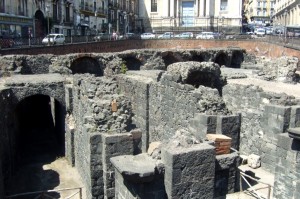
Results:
45 194
253 190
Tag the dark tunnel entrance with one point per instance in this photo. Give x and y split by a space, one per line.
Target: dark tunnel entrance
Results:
40 130
132 63
237 59
198 58
39 145
199 78
169 59
86 65
221 59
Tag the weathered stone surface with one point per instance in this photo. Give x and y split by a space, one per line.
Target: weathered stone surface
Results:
254 161
138 169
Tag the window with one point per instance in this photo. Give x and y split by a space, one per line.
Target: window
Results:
258 13
224 4
153 5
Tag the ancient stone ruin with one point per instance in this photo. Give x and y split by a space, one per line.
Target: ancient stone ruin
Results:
151 123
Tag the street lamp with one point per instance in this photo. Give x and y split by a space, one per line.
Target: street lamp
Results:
285 29
118 11
48 11
96 14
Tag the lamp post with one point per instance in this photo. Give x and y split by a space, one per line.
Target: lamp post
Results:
48 25
285 29
96 14
118 21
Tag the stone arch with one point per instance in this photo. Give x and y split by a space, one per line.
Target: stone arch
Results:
169 59
39 129
132 63
40 24
222 59
236 59
86 65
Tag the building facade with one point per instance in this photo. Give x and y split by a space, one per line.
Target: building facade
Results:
287 12
37 18
259 12
213 15
16 17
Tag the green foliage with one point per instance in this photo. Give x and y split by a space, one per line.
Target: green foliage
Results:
123 68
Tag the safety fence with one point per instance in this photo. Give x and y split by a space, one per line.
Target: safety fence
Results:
73 193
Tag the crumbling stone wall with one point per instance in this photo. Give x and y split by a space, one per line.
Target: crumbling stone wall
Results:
93 116
264 115
163 102
111 63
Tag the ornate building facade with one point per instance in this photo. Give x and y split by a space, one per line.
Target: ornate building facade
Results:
160 15
37 18
287 12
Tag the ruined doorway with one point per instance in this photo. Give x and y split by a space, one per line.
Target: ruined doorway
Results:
38 141
40 129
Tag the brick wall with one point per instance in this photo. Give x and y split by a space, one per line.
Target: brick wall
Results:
253 46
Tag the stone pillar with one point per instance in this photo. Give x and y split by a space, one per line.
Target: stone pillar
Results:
113 145
171 7
230 126
189 172
203 124
287 171
275 120
295 117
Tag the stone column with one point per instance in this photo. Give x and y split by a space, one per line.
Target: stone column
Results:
189 172
113 145
287 171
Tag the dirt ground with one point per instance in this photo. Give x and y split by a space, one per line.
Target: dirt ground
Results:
55 175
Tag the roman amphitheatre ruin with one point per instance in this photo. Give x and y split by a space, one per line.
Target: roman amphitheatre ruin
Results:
149 119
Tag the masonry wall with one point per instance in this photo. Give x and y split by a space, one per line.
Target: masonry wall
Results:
137 92
93 116
287 171
264 116
174 105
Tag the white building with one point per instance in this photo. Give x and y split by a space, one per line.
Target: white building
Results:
177 15
287 12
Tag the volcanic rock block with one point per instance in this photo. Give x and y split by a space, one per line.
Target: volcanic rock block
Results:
221 142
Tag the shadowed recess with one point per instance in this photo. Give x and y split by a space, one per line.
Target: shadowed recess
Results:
40 129
86 65
237 59
198 58
132 63
169 59
221 59
199 78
